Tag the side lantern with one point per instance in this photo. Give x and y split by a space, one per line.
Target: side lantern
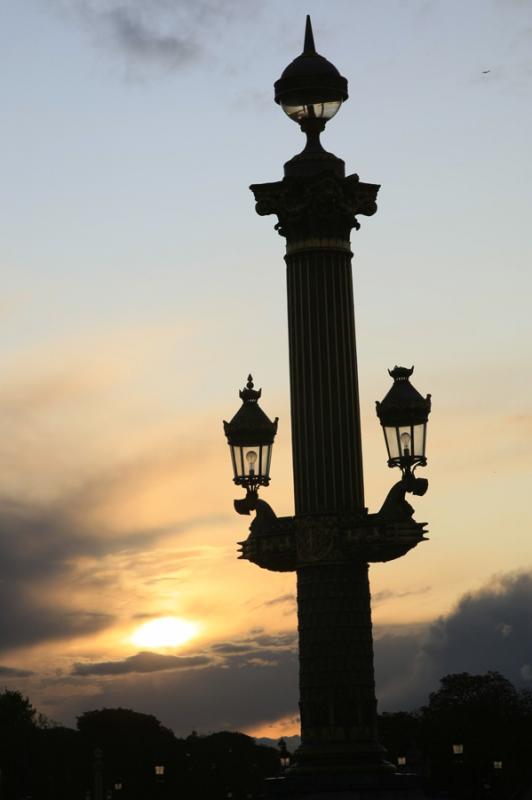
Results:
250 436
403 415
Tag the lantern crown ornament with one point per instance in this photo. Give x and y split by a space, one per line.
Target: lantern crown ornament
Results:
250 436
403 414
310 91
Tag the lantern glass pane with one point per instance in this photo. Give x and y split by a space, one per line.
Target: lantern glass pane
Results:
325 110
234 450
405 440
390 434
237 458
250 461
419 439
263 454
267 457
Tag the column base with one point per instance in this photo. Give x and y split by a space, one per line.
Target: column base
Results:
366 758
341 786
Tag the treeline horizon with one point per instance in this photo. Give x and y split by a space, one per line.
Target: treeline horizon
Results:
474 734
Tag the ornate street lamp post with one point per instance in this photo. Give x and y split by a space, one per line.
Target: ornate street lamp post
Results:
332 537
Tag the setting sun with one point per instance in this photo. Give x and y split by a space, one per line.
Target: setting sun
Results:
164 632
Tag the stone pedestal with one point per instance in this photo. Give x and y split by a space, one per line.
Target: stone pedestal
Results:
398 786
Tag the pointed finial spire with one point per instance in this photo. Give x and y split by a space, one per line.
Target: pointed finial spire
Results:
309 49
249 394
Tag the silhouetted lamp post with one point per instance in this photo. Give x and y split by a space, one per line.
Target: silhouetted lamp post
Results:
332 537
284 755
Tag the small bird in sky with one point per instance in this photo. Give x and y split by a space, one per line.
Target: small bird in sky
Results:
485 71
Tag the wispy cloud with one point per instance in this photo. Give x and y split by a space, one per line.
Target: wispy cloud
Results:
282 599
13 672
155 33
141 662
389 594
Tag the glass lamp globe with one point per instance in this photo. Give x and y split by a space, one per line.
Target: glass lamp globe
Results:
324 110
310 87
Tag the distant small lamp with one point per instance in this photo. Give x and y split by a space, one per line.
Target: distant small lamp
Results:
497 765
250 435
403 415
118 786
310 91
458 749
401 761
284 755
159 772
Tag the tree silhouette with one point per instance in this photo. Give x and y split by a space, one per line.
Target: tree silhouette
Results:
132 745
490 718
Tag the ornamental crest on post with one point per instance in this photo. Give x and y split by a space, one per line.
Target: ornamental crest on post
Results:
315 544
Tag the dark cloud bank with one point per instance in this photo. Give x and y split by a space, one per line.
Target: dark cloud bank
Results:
37 546
253 680
488 630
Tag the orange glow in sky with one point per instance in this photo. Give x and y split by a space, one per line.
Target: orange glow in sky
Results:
164 632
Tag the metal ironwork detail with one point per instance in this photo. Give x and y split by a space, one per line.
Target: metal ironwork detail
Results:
315 540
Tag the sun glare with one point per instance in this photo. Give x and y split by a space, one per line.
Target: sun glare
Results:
164 632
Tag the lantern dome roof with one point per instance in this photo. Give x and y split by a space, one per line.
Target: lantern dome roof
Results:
403 404
310 77
250 425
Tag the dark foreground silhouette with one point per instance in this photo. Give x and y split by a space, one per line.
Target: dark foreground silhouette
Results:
473 739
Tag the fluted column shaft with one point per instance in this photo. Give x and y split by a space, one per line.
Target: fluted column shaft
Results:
337 693
337 688
323 382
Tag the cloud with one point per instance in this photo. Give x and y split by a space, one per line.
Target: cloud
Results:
141 662
36 550
234 684
281 600
490 629
251 680
238 653
233 694
11 672
160 33
230 648
141 41
387 594
55 564
82 538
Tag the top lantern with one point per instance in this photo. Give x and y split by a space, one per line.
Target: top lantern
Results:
310 91
403 415
310 87
250 436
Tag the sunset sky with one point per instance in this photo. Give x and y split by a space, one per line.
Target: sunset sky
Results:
139 288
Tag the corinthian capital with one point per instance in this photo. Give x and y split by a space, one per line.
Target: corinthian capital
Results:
321 207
